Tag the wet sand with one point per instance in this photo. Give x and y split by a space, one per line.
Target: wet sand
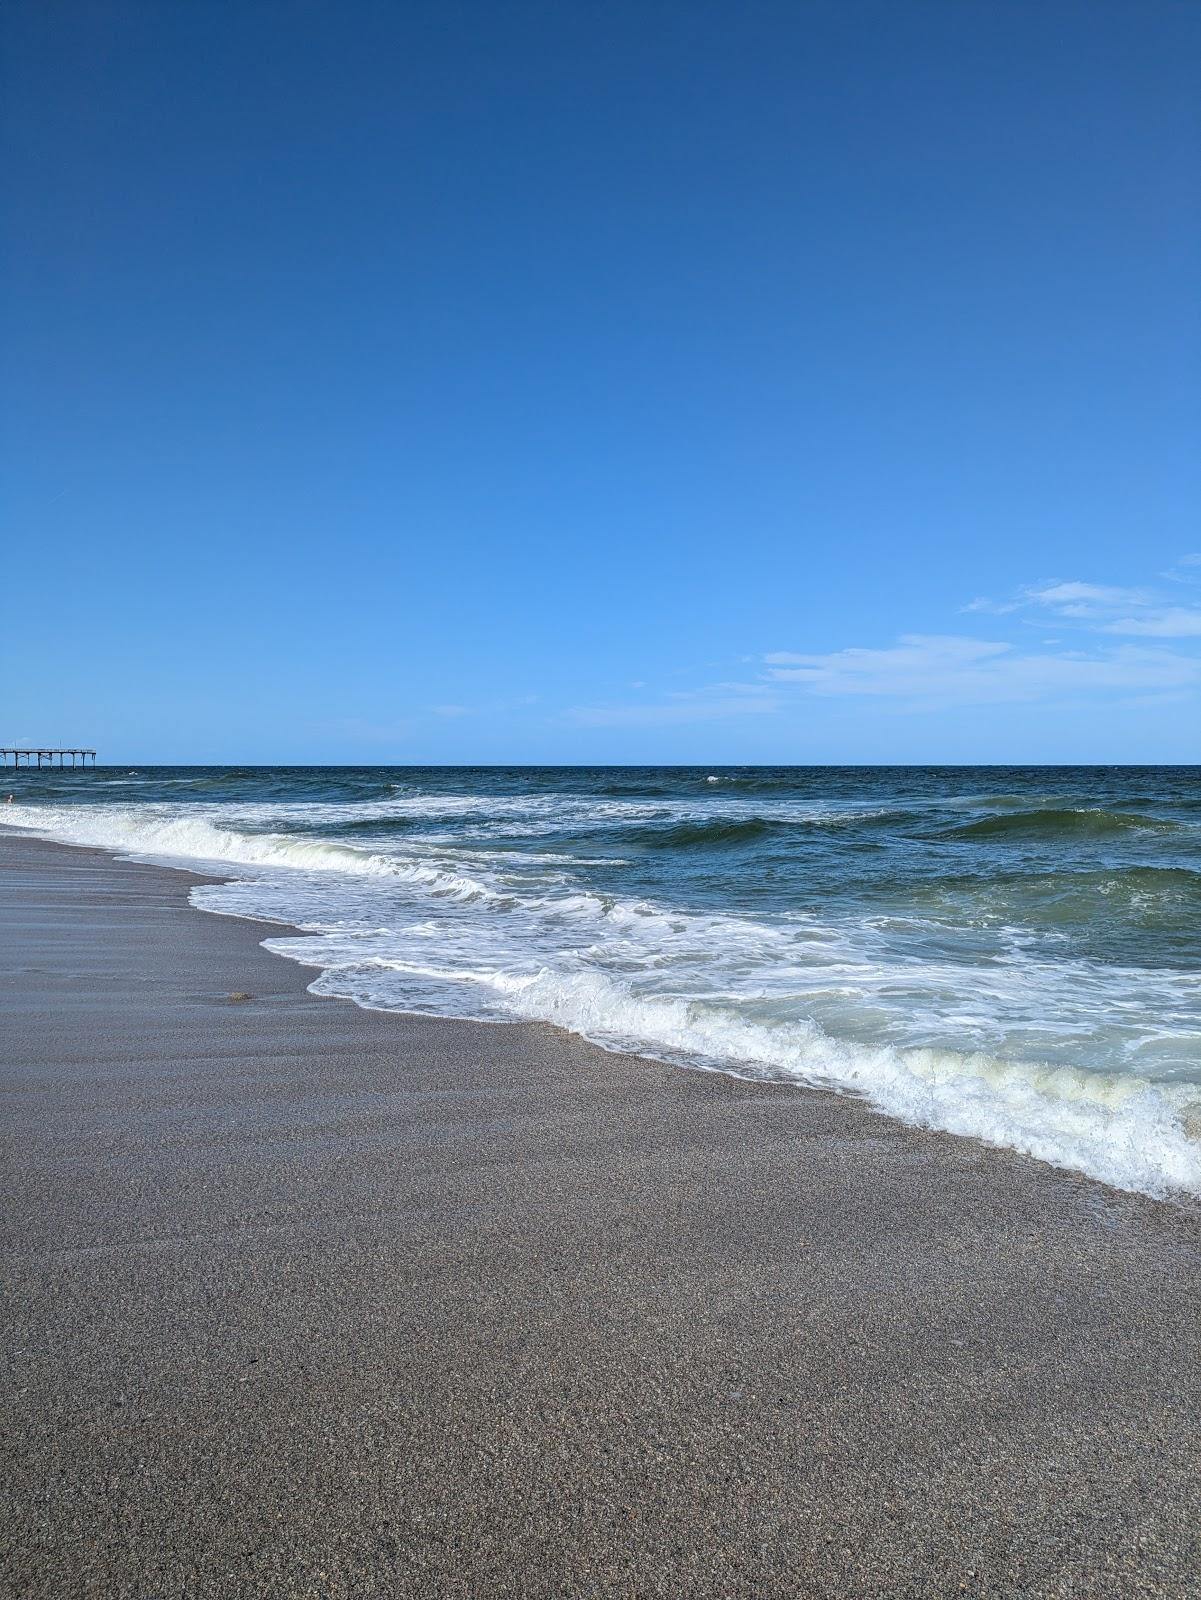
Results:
307 1300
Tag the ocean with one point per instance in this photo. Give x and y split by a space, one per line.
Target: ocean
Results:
1008 953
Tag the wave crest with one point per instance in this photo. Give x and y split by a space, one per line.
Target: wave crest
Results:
1085 822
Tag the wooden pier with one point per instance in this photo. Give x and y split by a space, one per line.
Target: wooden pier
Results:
80 757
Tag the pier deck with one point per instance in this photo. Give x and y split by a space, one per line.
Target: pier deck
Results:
78 756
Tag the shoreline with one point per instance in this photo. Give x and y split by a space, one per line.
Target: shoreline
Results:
1182 1197
309 1298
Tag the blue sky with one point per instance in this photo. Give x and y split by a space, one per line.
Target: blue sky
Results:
566 382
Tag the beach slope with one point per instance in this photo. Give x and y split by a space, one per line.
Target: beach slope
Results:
308 1300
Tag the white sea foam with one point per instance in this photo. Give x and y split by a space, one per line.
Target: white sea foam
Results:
1121 1129
423 923
195 840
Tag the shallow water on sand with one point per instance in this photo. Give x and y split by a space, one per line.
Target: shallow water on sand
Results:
1012 953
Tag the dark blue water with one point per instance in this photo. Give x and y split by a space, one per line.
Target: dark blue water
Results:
1012 953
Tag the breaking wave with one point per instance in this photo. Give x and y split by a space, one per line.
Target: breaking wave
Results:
1122 1130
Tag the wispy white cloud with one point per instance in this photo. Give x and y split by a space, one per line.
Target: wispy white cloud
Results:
729 686
1186 570
712 704
1085 599
949 669
1107 608
933 670
452 711
1173 622
912 665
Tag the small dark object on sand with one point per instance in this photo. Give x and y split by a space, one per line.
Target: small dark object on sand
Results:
239 995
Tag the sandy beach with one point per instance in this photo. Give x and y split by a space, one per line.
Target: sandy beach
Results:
303 1299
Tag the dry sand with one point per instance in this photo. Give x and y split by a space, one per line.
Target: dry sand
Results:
307 1300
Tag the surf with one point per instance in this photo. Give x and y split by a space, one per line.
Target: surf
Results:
1020 967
